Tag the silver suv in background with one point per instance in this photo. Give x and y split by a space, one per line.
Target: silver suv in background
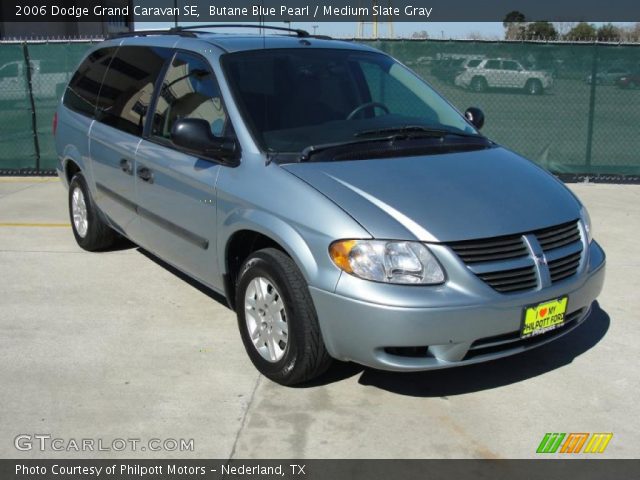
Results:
499 73
342 206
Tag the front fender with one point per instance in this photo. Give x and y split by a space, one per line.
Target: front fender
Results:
290 239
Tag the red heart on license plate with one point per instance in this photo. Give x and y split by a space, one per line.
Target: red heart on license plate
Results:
542 312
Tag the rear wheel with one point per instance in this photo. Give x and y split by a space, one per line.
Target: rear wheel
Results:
277 320
534 87
479 84
90 231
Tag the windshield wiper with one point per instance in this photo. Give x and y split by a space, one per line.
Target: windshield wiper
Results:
415 131
311 149
390 135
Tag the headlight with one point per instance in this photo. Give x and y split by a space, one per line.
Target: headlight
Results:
387 261
586 221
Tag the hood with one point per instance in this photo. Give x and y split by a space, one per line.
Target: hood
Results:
442 198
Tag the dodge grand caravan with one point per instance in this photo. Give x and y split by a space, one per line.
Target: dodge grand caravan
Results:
343 207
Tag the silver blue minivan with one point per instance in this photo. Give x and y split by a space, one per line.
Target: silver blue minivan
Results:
343 207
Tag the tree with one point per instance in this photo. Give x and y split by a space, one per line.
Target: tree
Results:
563 28
514 24
582 31
609 33
513 17
541 30
421 34
630 33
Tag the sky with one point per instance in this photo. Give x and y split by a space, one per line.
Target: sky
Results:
400 29
444 30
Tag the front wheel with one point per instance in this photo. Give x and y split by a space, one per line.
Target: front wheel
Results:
479 84
277 320
534 87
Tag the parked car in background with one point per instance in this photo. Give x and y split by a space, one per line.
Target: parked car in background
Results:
13 81
341 205
503 74
606 77
630 80
447 69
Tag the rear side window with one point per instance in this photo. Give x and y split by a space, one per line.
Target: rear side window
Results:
473 63
84 87
492 65
514 66
127 88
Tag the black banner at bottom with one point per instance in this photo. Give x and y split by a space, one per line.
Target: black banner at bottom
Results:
543 469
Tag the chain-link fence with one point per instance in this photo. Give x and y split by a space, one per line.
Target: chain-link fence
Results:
32 79
572 107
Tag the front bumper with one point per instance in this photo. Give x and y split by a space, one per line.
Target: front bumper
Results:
378 325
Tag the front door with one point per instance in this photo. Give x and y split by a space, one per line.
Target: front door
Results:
176 190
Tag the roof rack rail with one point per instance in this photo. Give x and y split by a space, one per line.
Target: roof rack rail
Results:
192 31
144 33
299 32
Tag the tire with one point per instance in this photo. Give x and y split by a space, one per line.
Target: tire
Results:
298 355
534 87
479 84
89 229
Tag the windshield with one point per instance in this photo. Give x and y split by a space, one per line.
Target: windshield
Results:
294 98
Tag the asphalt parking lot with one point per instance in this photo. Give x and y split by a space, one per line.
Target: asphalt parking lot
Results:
117 345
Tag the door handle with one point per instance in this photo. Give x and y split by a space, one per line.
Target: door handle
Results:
145 174
126 166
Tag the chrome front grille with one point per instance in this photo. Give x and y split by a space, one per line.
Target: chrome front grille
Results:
558 236
564 267
515 280
511 263
488 250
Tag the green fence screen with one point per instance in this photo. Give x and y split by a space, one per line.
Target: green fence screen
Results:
28 99
573 108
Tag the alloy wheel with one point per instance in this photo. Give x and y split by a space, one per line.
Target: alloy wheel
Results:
79 212
266 319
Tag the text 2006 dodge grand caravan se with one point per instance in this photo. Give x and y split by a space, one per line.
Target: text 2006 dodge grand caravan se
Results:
344 208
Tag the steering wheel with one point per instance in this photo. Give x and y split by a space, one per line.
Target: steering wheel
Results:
364 106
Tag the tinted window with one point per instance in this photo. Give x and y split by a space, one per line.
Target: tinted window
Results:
511 66
189 90
473 63
128 85
84 87
492 64
9 71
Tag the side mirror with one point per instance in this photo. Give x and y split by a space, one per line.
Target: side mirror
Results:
194 134
475 117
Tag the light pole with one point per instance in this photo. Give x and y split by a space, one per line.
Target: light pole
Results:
175 13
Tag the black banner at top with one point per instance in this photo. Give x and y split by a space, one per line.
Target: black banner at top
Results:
243 11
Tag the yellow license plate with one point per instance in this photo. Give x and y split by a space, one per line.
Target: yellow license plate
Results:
543 317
